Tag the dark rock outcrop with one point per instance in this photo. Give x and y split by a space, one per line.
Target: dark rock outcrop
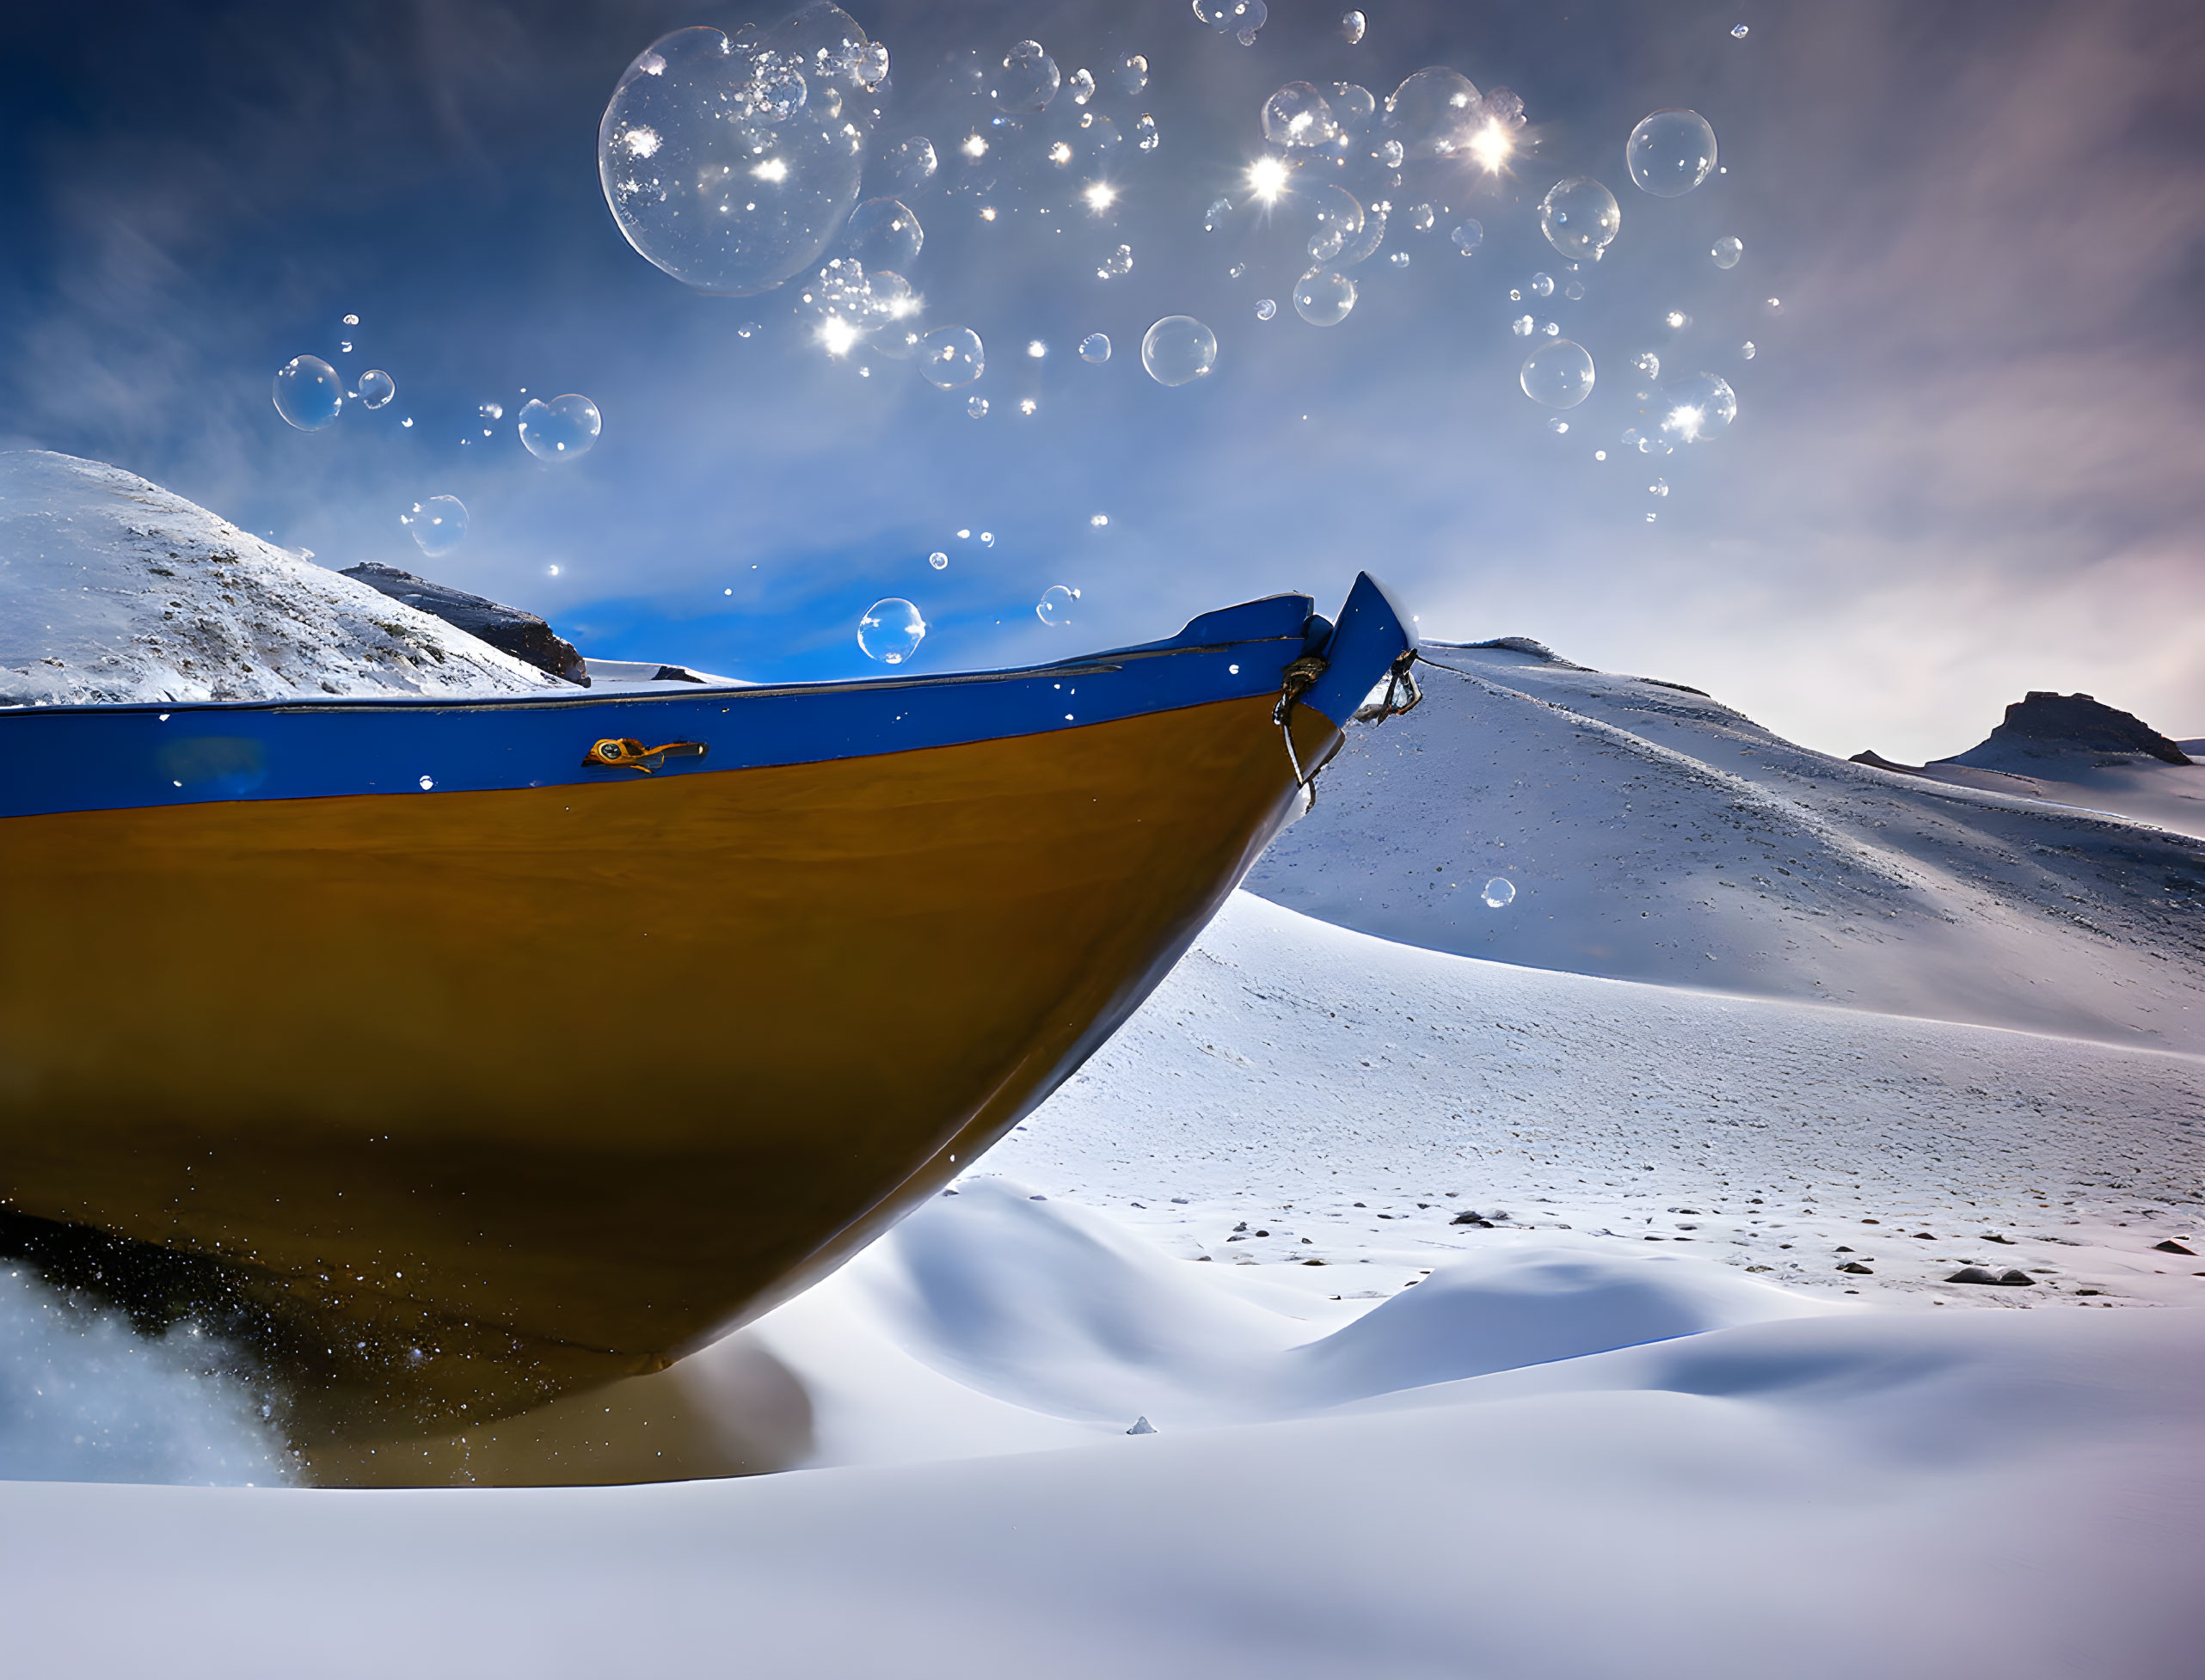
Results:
508 629
2042 721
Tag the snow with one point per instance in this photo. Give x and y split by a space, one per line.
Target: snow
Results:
114 590
1652 833
1633 1421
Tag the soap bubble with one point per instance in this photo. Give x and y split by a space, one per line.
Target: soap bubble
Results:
1081 85
1145 134
1727 249
1433 112
1054 608
1337 216
1559 374
1118 263
1579 218
1351 27
1178 349
1542 285
560 429
1297 115
729 162
976 407
1095 347
1421 218
1647 364
1575 292
1389 155
891 630
1027 79
1659 486
1500 893
1399 258
1552 329
1698 408
951 356
308 393
1523 326
1323 296
352 321
1265 308
437 526
938 561
1218 210
1738 32
1670 153
1130 74
912 162
1557 424
1352 104
884 233
1468 237
1247 17
376 388
1746 350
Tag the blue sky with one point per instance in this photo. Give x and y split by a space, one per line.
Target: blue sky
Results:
1964 464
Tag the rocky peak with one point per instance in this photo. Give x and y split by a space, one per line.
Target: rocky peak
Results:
2077 723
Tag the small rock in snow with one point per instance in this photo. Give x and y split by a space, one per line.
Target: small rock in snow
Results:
2171 1247
1142 1426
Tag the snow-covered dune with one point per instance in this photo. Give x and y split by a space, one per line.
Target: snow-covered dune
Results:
114 590
1652 833
1892 1494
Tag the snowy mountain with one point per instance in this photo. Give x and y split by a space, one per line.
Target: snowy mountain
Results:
1650 833
115 590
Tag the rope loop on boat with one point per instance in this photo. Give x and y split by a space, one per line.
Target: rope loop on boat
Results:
1400 678
1300 677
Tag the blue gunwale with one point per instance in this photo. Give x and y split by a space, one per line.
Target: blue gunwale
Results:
124 757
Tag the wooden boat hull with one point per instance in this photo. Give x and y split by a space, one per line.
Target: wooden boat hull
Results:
450 1105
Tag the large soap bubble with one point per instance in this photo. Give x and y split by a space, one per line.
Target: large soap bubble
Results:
437 526
308 393
951 356
1056 605
1579 218
1027 79
1297 115
562 429
730 162
1670 153
1433 112
884 233
1727 250
1323 296
1559 374
1698 408
891 630
1095 347
1178 349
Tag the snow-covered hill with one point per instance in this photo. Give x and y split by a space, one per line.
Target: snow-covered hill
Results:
1652 833
114 590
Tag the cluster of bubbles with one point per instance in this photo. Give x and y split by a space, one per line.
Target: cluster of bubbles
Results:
732 161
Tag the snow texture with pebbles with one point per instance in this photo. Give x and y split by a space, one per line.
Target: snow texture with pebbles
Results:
114 590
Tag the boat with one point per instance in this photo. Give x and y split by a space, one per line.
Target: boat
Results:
451 1055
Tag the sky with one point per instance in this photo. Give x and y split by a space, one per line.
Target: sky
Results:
1964 464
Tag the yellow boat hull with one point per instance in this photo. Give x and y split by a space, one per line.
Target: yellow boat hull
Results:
456 1105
